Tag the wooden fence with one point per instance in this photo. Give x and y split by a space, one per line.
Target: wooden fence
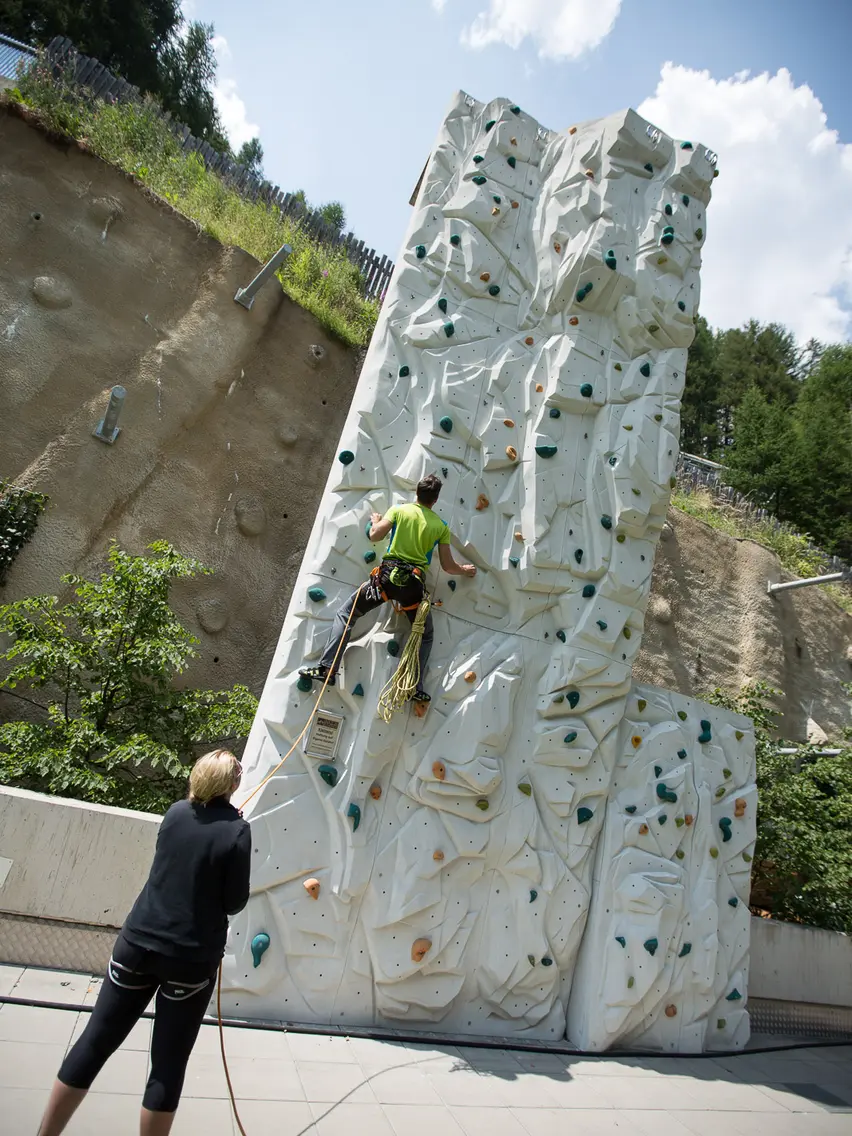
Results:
86 72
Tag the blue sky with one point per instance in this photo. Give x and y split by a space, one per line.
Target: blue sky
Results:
347 98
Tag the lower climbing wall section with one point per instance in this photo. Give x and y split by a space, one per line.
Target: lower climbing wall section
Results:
664 960
531 350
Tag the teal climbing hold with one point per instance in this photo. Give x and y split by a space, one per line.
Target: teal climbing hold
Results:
685 199
494 290
420 252
668 228
586 390
515 109
668 210
648 167
451 584
684 950
666 238
583 292
686 145
533 895
588 591
584 814
733 901
682 715
570 737
578 555
705 735
602 624
610 261
259 947
613 460
393 648
404 372
666 794
316 594
514 561
658 769
442 304
446 424
606 521
734 996
367 528
630 809
682 754
455 240
329 774
491 122
354 812
346 457
681 305
304 684
547 961
650 946
479 180
560 635
725 826
573 697
662 818
478 158
369 556
555 412
496 198
358 690
449 329
645 370
545 451
621 939
512 160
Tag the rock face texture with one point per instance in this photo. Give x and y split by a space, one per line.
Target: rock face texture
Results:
532 349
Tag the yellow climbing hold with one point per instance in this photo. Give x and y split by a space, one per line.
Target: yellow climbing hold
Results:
636 741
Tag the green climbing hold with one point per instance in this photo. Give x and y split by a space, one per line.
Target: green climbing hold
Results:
630 981
650 946
666 238
316 594
346 457
621 538
734 996
682 715
545 451
304 684
560 635
442 304
747 857
479 180
588 591
259 947
658 769
714 853
621 939
533 895
699 234
658 417
610 261
558 699
578 555
739 735
627 633
573 697
570 737
727 774
662 818
514 561
680 853
668 210
531 959
666 794
478 158
584 814
617 367
705 735
684 950
446 424
685 199
555 412
489 124
686 145
393 648
733 901
680 822
681 305
630 809
525 788
449 329
494 290
482 804
455 240
602 624
354 812
420 252
628 428
720 792
404 372
641 704
586 390
636 492
329 774
512 160
369 556
515 110
721 1023
358 690
648 167
606 521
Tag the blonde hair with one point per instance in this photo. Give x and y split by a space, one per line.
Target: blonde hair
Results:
214 775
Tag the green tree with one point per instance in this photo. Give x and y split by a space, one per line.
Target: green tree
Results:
187 75
250 155
699 422
333 214
762 463
759 356
802 867
99 671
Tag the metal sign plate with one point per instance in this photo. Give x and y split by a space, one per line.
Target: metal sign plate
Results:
324 736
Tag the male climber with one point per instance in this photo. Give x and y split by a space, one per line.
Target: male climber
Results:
401 576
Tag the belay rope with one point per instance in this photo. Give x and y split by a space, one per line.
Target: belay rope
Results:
402 685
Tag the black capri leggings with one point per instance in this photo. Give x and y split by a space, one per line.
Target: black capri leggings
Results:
134 974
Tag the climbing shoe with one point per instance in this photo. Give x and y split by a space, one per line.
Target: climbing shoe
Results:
318 674
421 696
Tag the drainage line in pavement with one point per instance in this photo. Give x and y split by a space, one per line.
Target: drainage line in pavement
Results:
439 1039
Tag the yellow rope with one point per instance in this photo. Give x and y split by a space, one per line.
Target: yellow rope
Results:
403 683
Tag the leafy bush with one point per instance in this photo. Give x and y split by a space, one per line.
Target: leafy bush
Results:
134 137
111 727
802 869
20 510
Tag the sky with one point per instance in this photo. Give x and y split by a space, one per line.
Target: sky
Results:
347 99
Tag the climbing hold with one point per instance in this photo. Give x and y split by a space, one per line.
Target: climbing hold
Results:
682 714
547 961
479 180
688 819
573 130
602 624
636 741
686 145
641 704
734 996
671 1011
668 212
739 735
747 857
482 804
658 769
630 809
666 238
316 594
570 737
519 536
508 422
658 417
662 818
533 895
588 591
733 901
643 830
369 556
584 815
560 635
725 826
636 492
478 158
514 561
525 788
420 251
680 853
451 584
720 792
621 538
685 199
354 812
529 341
439 770
578 555
442 304
404 372
393 648
515 204
513 141
705 735
482 502
739 807
583 292
630 982
358 691
727 774
512 160
650 946
606 521
419 948
573 697
590 173
438 855
621 939
586 390
494 211
545 451
531 959
714 853
511 453
666 794
449 329
721 1023
489 124
494 290
680 822
376 792
470 676
681 305
557 247
455 240
699 234
555 412
346 457
645 370
610 261
304 684
312 887
627 428
662 259
539 387
485 276
627 633
259 946
515 109
648 167
446 424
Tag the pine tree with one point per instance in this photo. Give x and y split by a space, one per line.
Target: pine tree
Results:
699 422
762 463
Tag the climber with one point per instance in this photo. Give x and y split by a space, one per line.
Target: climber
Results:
414 530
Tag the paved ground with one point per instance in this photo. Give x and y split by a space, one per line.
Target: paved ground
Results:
295 1084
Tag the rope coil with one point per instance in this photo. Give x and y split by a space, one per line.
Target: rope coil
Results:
402 685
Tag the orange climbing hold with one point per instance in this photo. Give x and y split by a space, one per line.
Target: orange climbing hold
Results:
420 708
688 819
511 453
485 276
573 130
519 536
636 741
573 321
557 246
438 855
590 173
470 676
514 141
312 887
643 830
419 949
482 502
740 806
376 792
529 341
508 422
439 770
671 1011
539 387
514 205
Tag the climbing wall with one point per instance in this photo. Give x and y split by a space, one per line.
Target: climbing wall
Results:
531 349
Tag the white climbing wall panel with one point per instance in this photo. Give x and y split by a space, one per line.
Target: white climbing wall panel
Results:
531 349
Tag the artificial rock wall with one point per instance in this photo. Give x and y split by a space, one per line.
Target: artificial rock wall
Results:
531 348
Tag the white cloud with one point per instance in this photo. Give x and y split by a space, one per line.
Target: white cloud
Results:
560 29
221 48
779 243
231 108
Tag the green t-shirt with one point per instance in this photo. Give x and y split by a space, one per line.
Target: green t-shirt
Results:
416 530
